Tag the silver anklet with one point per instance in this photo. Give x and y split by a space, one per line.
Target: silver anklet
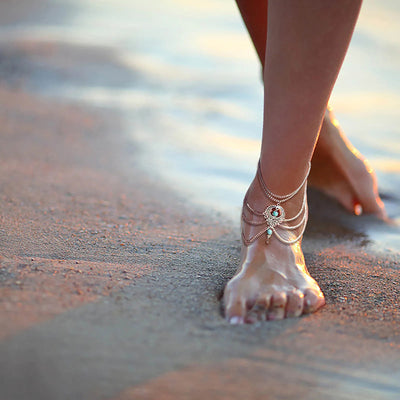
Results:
275 215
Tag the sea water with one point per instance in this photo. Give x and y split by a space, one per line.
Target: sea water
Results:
196 109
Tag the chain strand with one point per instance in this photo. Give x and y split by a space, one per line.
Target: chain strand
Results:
278 222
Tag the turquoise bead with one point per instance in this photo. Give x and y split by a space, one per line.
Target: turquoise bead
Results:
275 213
269 231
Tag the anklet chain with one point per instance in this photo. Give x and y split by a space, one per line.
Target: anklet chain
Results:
275 197
275 215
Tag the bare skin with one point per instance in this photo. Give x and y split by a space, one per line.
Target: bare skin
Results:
272 281
338 169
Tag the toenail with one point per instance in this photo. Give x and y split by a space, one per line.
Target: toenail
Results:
358 209
235 320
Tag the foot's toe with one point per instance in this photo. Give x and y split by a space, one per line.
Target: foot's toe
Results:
368 197
277 306
313 300
260 309
295 302
235 309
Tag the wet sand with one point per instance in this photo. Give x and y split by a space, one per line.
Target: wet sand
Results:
110 282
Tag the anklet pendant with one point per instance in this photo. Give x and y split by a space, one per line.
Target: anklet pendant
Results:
274 215
268 234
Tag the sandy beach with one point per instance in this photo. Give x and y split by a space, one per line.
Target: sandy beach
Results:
110 282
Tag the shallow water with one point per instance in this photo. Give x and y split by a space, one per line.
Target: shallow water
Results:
197 105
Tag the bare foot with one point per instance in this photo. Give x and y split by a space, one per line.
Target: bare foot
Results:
272 281
340 171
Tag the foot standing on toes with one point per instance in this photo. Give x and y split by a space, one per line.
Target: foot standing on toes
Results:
305 46
341 172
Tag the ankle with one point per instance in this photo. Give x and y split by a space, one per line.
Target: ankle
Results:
266 214
259 191
257 199
283 175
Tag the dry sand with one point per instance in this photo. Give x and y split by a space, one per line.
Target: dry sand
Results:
110 283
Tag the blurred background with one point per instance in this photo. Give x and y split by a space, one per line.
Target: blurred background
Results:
185 77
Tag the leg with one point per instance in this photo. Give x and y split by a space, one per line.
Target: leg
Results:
339 169
300 70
